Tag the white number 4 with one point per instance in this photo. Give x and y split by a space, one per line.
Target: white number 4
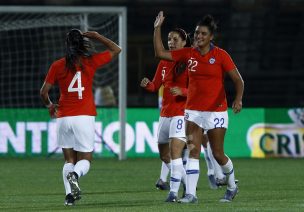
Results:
78 89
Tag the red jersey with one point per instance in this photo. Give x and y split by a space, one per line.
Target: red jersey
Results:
167 76
206 90
76 96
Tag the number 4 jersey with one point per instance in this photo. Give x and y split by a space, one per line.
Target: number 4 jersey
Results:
76 96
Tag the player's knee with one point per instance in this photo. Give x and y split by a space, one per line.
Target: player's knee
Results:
219 157
165 158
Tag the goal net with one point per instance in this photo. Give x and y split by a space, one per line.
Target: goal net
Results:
31 38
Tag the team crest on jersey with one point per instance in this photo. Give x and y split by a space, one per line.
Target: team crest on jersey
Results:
212 60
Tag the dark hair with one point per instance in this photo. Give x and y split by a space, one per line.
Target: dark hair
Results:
209 22
76 46
182 33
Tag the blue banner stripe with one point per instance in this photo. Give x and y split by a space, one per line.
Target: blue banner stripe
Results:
192 171
229 173
174 179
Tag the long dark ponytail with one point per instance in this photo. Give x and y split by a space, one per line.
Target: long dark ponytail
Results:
76 46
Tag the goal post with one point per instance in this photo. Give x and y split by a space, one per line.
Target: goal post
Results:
32 37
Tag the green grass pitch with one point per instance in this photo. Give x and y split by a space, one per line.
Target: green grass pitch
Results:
111 185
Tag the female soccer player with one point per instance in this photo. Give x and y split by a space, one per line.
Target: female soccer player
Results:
171 133
76 110
206 106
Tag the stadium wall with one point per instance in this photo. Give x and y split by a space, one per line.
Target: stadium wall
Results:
255 132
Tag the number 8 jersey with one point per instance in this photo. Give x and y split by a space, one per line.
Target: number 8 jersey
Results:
76 96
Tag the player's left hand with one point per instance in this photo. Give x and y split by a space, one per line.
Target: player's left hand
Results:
91 34
176 91
237 106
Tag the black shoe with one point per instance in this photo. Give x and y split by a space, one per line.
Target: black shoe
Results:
171 197
162 185
223 182
69 200
229 195
72 177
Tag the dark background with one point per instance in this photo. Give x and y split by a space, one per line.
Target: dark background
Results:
264 37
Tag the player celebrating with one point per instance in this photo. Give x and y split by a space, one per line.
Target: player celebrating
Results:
206 106
76 110
174 78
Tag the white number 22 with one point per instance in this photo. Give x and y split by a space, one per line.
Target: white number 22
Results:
78 89
192 64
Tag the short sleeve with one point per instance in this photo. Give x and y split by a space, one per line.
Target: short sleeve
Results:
227 64
180 54
157 80
102 58
51 75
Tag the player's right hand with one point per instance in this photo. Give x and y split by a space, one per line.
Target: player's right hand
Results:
159 19
53 110
144 82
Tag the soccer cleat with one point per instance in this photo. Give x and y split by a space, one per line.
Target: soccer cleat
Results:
171 197
73 180
189 198
69 200
229 195
212 182
223 181
161 185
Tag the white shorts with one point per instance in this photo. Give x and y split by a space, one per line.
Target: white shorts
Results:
171 127
76 132
207 120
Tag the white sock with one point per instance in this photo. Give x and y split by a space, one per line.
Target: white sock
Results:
185 156
210 169
229 172
192 175
177 171
67 168
218 173
164 172
82 167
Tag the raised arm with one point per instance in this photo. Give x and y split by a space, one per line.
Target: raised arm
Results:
160 51
239 89
111 46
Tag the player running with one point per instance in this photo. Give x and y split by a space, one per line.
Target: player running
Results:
76 110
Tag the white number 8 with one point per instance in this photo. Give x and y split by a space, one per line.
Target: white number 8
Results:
78 89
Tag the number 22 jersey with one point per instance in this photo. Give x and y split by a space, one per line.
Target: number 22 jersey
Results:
206 90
